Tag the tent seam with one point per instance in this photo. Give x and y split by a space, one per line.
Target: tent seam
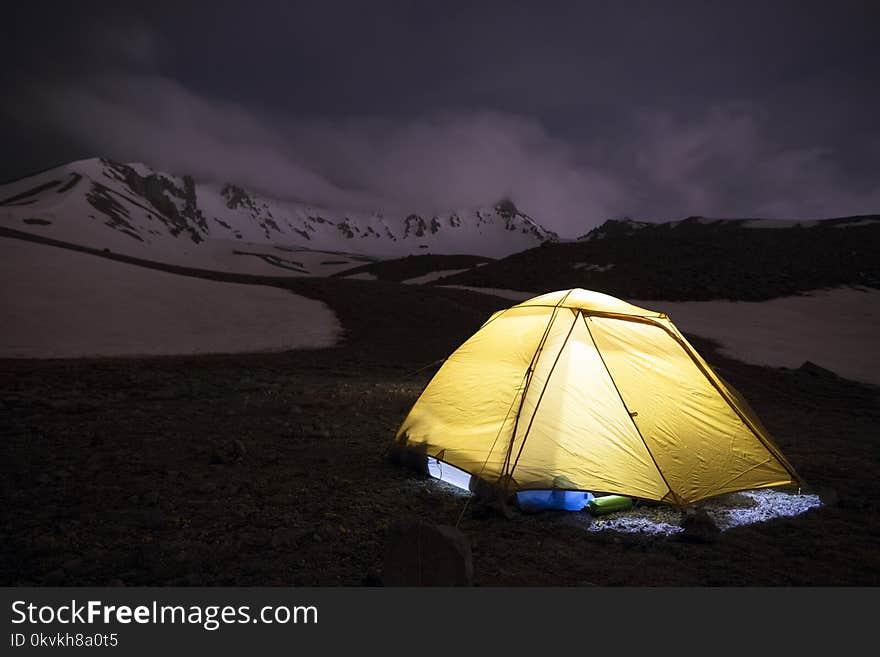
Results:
529 372
651 315
771 449
629 414
541 396
683 344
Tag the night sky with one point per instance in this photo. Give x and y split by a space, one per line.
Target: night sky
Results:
578 111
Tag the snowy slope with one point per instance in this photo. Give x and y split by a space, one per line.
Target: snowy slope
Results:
834 328
134 210
62 304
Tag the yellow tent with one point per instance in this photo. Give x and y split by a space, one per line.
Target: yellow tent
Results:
583 388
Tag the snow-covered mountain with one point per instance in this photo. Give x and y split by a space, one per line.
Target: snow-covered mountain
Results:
137 211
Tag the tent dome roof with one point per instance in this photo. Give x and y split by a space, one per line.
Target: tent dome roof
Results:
590 301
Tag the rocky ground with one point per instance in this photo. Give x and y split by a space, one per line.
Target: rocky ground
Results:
271 469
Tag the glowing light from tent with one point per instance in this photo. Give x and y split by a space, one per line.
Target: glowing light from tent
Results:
449 473
666 520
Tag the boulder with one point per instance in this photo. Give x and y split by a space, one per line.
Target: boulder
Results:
698 526
809 367
420 553
828 496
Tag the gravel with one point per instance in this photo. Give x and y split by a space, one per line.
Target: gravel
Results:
727 511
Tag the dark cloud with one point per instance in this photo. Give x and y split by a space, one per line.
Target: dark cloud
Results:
435 162
579 113
727 162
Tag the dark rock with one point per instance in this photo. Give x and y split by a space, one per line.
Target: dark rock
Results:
413 458
55 578
738 501
489 499
147 556
698 526
206 487
420 553
74 565
855 502
812 369
193 579
828 496
372 579
153 519
71 406
317 431
492 508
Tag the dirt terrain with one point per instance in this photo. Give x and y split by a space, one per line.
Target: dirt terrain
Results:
271 469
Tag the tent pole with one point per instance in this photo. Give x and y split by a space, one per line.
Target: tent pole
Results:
531 369
675 495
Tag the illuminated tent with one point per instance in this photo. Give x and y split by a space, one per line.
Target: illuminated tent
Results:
578 390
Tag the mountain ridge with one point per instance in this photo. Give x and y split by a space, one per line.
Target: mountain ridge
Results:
134 210
141 204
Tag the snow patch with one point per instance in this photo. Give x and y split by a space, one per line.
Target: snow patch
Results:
514 295
363 276
433 276
140 169
836 329
588 266
779 223
64 304
855 224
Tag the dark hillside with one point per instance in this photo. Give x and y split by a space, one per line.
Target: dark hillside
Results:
692 260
